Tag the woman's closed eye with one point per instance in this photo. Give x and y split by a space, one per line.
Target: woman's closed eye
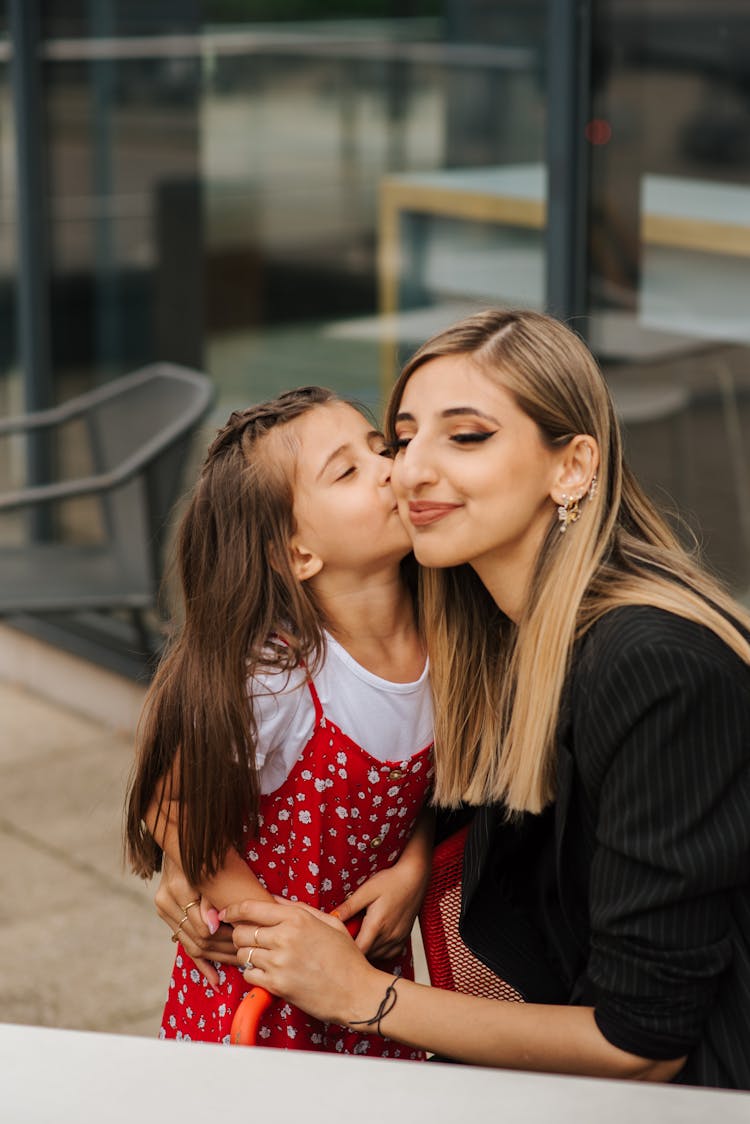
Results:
472 438
397 445
347 472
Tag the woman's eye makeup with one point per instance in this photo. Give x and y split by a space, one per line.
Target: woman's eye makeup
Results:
397 444
473 438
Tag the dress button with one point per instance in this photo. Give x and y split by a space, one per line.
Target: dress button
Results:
376 841
396 775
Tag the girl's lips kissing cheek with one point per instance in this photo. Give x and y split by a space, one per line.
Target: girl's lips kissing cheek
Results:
422 512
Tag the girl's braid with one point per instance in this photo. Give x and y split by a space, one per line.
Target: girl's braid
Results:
253 422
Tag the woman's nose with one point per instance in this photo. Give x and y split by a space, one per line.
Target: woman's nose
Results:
413 467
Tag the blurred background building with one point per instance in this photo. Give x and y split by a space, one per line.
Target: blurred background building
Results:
281 192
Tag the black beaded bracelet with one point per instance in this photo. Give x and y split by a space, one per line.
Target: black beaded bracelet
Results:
387 1004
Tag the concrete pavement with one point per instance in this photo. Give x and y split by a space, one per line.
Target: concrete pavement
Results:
80 944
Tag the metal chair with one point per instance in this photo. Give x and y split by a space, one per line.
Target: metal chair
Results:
138 431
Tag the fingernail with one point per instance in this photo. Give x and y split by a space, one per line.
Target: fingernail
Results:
220 915
212 920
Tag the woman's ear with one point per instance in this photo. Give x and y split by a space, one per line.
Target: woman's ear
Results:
305 562
579 464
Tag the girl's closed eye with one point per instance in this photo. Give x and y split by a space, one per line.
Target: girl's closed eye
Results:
347 472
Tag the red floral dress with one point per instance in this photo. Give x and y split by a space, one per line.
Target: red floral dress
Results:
340 816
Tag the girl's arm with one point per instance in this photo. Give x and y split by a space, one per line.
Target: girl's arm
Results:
309 960
234 882
202 936
204 939
392 897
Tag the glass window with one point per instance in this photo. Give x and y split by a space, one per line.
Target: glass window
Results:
371 172
11 456
669 253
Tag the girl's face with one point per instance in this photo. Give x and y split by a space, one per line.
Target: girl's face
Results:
345 511
472 473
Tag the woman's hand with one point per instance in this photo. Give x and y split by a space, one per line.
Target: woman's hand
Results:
391 901
202 935
307 957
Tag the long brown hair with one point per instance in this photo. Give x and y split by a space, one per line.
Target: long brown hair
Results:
197 736
497 686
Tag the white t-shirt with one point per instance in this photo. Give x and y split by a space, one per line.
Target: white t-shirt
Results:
392 721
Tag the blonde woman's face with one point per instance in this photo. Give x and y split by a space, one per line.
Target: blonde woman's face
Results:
472 474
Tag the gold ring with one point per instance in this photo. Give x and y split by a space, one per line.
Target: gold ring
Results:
178 930
190 905
256 942
249 961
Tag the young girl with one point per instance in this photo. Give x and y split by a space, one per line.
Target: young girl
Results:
286 744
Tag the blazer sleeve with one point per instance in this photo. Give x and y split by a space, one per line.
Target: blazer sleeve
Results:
666 760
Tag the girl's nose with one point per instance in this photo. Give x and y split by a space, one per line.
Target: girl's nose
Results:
384 470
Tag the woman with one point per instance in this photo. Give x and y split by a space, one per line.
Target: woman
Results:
593 701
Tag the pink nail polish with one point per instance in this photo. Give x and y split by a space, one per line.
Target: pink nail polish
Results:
212 920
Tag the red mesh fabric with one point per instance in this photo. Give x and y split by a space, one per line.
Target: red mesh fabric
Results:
450 963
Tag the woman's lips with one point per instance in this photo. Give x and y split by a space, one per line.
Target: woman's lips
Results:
422 513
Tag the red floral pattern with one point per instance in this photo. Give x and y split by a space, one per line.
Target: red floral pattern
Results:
340 816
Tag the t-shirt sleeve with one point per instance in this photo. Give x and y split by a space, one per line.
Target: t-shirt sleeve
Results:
672 835
284 717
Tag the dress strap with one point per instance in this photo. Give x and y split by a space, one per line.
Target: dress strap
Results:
316 701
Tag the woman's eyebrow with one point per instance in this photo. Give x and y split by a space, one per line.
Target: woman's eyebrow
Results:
468 411
454 412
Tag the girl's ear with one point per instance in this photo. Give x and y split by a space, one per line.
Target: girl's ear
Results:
305 563
578 465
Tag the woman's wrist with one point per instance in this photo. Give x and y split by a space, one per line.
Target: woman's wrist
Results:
385 1006
365 1002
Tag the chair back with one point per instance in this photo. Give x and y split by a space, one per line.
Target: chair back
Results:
450 963
145 419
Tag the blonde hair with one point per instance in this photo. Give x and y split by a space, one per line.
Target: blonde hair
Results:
494 724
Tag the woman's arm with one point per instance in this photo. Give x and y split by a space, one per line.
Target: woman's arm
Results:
310 961
663 731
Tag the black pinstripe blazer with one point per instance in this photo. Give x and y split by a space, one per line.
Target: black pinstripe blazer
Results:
632 893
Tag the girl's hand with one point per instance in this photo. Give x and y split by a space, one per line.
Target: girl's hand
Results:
306 957
391 901
202 936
